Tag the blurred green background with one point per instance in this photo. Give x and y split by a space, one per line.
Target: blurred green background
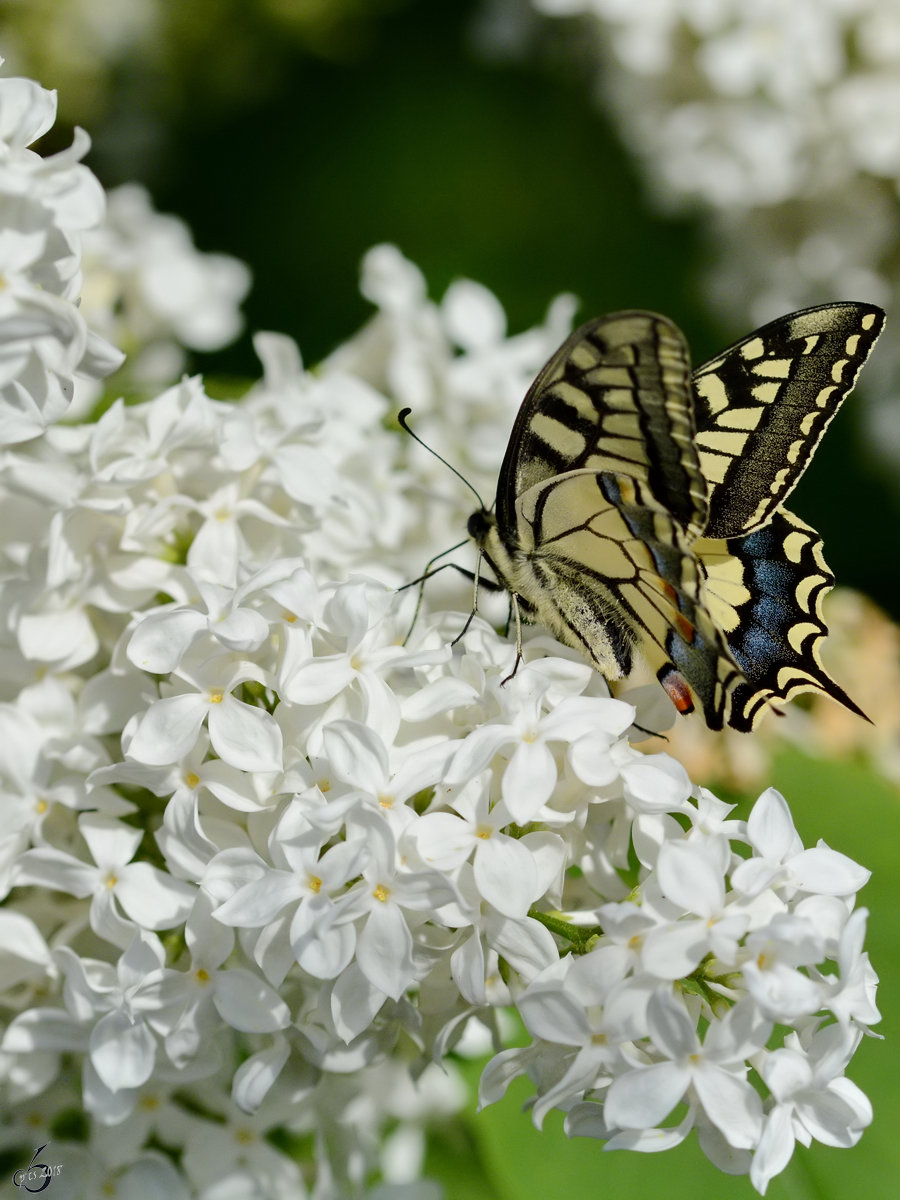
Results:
295 135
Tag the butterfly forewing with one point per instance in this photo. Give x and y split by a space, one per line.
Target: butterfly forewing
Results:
615 397
764 404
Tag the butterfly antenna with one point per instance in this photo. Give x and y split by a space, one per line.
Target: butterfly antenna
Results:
401 420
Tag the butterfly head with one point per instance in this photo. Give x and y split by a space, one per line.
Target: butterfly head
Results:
480 525
502 553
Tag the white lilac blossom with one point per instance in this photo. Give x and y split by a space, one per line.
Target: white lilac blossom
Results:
46 206
751 104
260 835
152 293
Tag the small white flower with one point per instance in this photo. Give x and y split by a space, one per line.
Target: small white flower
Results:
382 898
45 204
243 735
713 1069
164 637
207 993
150 898
771 970
691 875
780 860
111 1014
504 872
811 1099
309 879
147 284
850 995
531 770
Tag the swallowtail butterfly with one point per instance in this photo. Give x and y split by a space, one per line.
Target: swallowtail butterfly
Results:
640 506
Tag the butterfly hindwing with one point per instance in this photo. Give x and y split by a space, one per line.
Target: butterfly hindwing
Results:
764 404
611 571
765 593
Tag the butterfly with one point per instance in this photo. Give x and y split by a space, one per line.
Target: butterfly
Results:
640 505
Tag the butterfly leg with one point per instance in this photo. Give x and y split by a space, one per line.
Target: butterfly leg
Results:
477 582
514 605
476 578
509 616
428 573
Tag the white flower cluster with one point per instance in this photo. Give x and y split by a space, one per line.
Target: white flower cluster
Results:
779 122
46 204
150 292
87 276
266 857
750 104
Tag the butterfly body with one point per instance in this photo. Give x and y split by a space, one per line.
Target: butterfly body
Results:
639 508
534 579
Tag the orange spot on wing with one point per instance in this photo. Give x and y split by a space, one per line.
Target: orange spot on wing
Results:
685 628
677 689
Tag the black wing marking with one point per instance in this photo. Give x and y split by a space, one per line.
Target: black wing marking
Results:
615 397
764 404
613 572
765 593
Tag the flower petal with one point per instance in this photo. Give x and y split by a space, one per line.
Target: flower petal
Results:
245 737
505 874
168 730
642 1098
